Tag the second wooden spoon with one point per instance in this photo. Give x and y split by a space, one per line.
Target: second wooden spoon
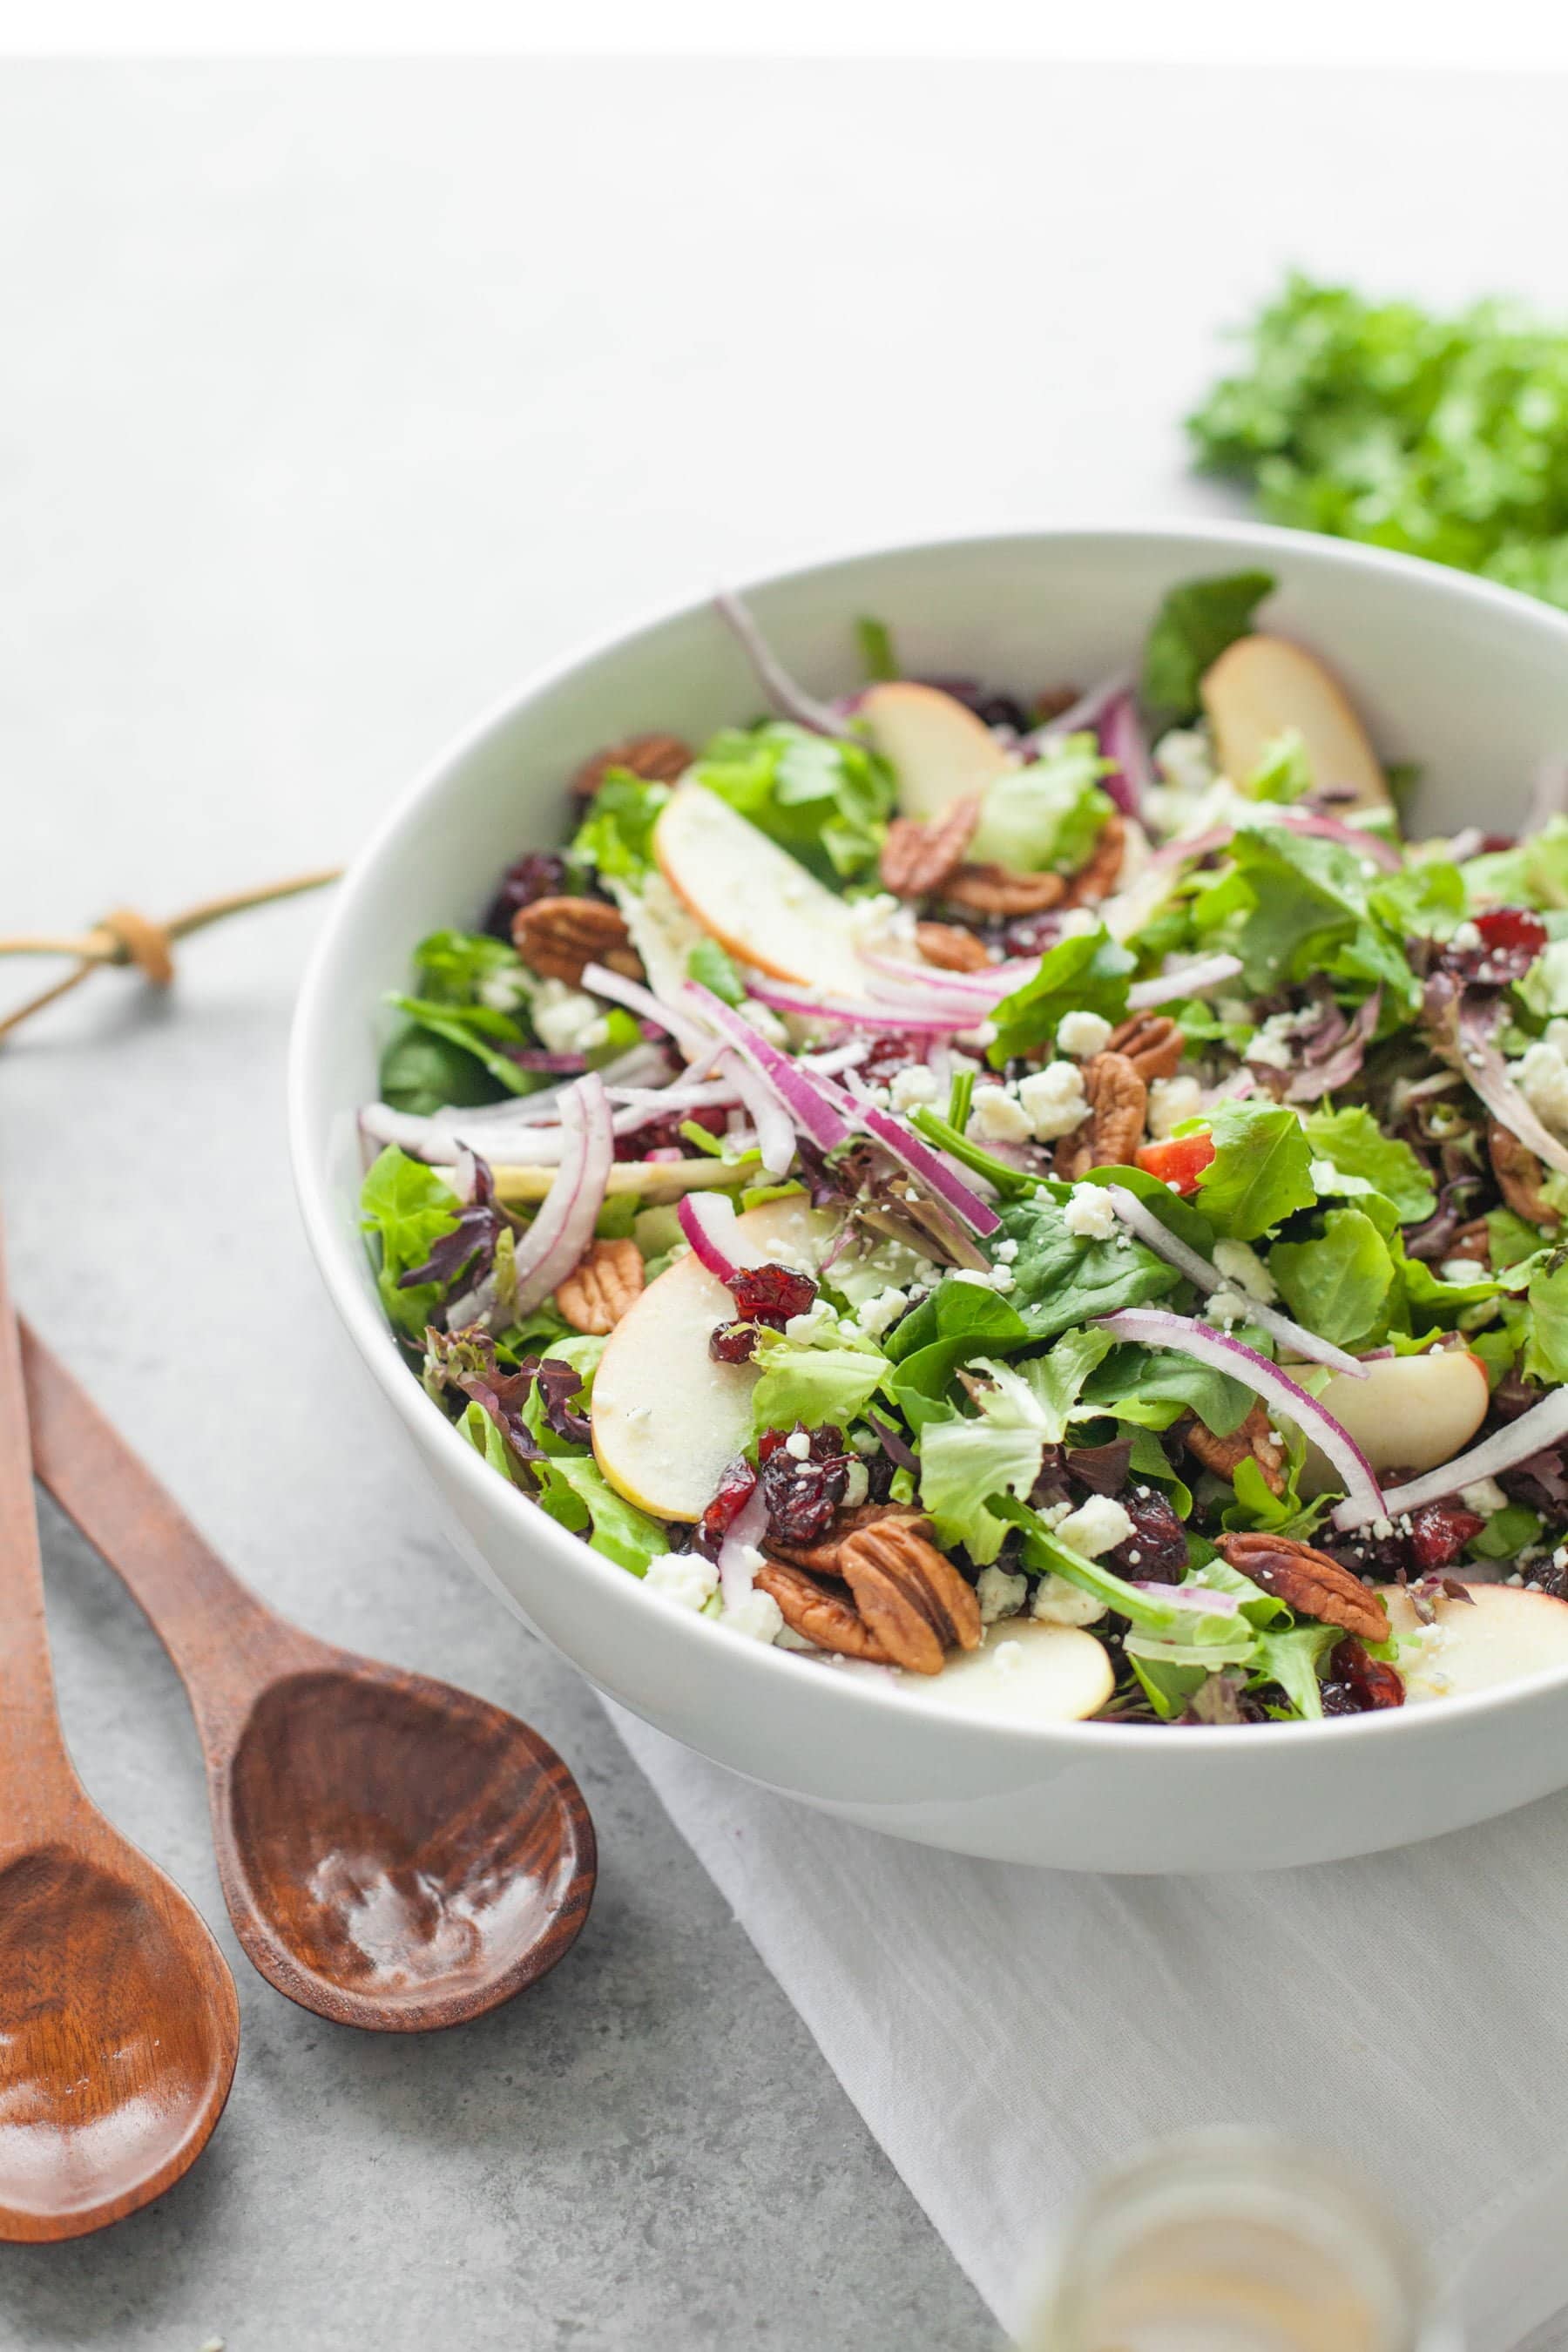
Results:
394 1853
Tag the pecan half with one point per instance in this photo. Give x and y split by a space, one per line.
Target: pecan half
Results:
909 1595
1051 703
1118 1104
1097 880
949 948
823 1617
1151 1042
556 937
657 758
821 1559
1519 1173
1223 1455
1308 1581
607 1280
1003 892
1473 1240
918 858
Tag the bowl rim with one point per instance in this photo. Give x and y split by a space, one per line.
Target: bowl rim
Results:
316 1008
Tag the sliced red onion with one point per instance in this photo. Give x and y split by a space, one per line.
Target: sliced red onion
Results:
862 1013
563 1226
785 695
1294 820
805 1100
1192 980
769 1115
932 1170
1467 842
1203 1599
1141 1219
836 1058
693 1040
1154 1327
1544 1425
536 1057
1488 1074
1120 736
708 1220
738 1552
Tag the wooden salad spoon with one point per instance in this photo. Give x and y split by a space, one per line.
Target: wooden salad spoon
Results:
119 2026
394 1853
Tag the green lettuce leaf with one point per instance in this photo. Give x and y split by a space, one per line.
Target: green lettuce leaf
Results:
408 1207
424 1074
1088 973
1261 1171
617 835
1546 1353
1294 1656
454 966
1192 628
824 800
1534 875
812 1385
475 1030
1047 815
1152 1387
709 964
1060 1279
1357 1145
959 1321
1337 1285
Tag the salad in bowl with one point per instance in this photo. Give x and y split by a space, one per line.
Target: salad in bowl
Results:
1048 1192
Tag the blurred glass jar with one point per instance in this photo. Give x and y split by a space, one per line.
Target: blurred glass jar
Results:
1237 2241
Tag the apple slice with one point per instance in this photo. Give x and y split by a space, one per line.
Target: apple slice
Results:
935 744
665 1417
1502 1634
756 900
1023 1671
656 1181
1411 1412
1260 688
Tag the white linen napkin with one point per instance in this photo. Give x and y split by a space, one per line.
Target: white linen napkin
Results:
1008 2034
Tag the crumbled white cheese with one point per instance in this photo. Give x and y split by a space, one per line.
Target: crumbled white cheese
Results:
566 1020
1541 1077
879 1314
1235 1011
1271 1043
1002 1278
504 992
1241 1266
1185 758
1007 1253
996 1117
1081 1034
1088 1212
1060 1602
916 1085
1224 1309
1053 1100
1461 1269
1098 1525
1172 1102
857 1485
819 1327
868 918
797 1445
1078 922
999 1594
1484 1497
758 1617
1467 936
683 1576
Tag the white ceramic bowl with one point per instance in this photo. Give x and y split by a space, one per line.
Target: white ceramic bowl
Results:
1468 679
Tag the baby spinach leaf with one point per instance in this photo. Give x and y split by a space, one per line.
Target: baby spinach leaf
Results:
1060 1279
1192 628
1338 1284
1261 1171
1088 973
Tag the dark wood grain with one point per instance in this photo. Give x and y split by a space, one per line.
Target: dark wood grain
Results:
394 1853
119 2026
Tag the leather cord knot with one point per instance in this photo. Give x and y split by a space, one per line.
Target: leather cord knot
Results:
146 944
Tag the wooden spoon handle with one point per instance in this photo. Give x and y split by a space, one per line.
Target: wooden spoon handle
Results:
33 1762
222 1638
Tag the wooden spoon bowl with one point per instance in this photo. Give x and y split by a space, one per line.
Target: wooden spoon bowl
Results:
394 1853
119 2033
407 1854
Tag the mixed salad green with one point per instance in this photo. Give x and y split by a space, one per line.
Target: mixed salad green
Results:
1057 1195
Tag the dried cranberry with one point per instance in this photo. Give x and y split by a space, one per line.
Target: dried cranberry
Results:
1510 939
1156 1551
734 1492
663 1134
1439 1534
770 1294
890 1055
541 875
802 1496
732 1343
1030 935
1368 1682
